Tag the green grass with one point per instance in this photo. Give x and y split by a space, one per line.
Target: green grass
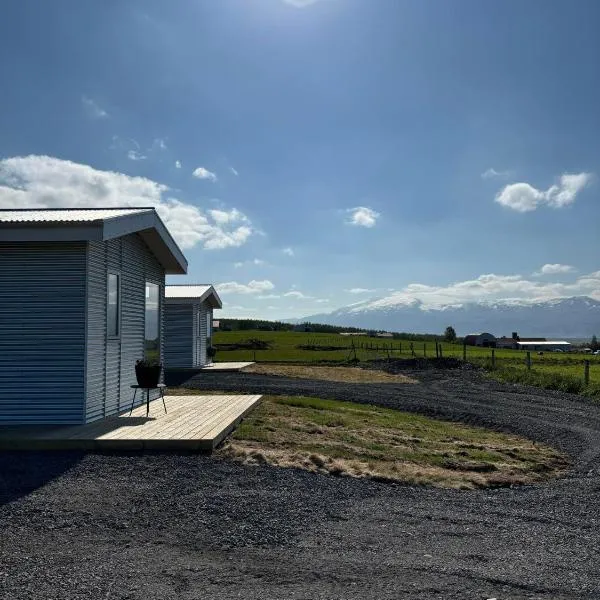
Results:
551 370
336 437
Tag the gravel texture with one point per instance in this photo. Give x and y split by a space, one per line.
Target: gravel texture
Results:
150 526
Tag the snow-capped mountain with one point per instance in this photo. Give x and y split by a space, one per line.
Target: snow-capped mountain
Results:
574 317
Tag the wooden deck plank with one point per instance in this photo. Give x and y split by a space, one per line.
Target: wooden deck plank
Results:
210 413
219 420
191 423
161 421
187 420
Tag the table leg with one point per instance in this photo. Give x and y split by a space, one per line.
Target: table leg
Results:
147 401
133 401
163 399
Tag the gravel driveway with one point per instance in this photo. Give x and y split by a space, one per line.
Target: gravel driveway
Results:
185 526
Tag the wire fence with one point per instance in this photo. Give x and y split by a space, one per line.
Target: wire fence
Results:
339 348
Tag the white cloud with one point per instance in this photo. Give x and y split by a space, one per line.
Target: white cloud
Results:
202 173
92 109
297 294
288 251
227 216
493 174
135 155
269 297
255 261
234 171
158 144
489 287
554 269
252 287
359 291
523 197
362 216
47 182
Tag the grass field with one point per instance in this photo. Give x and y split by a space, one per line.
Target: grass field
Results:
344 438
284 347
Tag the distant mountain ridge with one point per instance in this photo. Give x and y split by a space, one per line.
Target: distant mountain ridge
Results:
575 317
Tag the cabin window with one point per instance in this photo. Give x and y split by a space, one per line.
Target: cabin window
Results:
113 316
152 320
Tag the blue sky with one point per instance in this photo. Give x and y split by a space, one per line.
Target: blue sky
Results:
307 155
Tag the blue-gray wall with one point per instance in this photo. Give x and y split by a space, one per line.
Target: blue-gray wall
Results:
42 332
57 364
185 334
179 335
111 361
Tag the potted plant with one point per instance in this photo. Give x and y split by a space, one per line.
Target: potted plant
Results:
147 373
211 351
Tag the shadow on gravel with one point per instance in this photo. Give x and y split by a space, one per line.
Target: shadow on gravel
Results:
24 472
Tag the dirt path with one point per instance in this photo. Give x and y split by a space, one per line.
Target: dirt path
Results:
168 526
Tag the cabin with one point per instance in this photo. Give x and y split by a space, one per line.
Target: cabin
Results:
81 300
189 324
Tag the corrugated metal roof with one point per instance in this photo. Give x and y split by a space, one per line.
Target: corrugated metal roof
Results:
69 215
186 291
545 343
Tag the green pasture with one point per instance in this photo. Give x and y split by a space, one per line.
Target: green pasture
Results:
284 347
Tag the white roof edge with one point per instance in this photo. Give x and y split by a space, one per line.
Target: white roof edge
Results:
199 292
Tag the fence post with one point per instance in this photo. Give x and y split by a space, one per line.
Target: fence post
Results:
424 350
528 360
493 359
464 352
400 350
412 349
586 371
441 353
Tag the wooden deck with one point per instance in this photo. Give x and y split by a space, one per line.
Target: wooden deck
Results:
226 366
192 423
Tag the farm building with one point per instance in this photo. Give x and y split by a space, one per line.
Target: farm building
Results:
189 324
487 340
515 342
547 345
81 300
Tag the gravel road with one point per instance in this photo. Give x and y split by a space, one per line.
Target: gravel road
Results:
165 526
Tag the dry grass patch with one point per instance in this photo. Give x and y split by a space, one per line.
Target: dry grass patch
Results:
341 374
344 438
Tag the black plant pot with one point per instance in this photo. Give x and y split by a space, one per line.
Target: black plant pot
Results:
147 377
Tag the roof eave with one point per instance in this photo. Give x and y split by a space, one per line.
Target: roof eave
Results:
153 231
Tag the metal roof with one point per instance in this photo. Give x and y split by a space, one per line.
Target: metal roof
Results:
193 293
545 343
95 224
66 215
186 291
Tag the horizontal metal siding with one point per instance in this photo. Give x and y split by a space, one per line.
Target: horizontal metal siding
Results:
42 332
202 312
96 332
179 335
111 372
138 266
112 249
